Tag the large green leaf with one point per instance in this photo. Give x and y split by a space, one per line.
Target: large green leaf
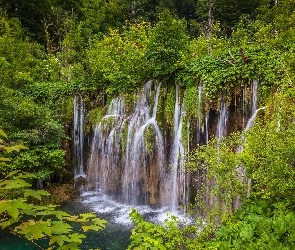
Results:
60 214
60 239
35 193
3 205
14 184
14 206
34 229
76 237
60 227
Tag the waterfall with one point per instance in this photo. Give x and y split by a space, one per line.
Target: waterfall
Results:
199 127
177 154
127 157
78 136
222 121
137 165
279 112
220 133
254 105
244 104
251 121
206 127
106 146
240 169
254 95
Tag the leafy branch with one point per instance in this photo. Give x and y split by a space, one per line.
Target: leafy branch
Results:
44 222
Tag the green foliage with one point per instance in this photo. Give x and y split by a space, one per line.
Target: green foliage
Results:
149 139
19 58
192 102
100 16
171 235
49 91
258 225
95 116
269 151
30 122
167 45
224 175
236 66
169 106
118 59
35 126
41 221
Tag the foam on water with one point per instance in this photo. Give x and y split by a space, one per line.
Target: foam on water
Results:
80 175
103 205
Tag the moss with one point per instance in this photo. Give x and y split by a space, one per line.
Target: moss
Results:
169 106
124 137
149 139
129 101
95 116
191 102
68 110
186 132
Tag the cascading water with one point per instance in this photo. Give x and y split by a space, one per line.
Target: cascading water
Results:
137 187
221 130
105 157
127 157
78 136
254 95
244 105
255 111
251 120
222 121
200 128
279 112
240 169
206 127
201 123
177 154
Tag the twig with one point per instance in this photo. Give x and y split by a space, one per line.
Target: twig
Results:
231 55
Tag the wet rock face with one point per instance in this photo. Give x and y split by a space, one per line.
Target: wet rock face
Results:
133 158
128 158
61 193
80 183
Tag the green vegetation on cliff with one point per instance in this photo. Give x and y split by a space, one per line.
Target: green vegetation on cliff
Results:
103 48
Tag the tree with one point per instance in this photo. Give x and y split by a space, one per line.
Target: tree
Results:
39 11
167 45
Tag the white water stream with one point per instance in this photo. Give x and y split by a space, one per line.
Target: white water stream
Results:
129 162
128 159
78 136
177 154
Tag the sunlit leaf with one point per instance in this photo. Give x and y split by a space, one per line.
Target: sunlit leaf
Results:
35 193
14 184
4 159
3 133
